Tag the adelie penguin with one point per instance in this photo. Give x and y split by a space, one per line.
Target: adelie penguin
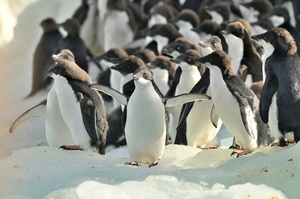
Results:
75 114
279 102
236 104
42 59
145 127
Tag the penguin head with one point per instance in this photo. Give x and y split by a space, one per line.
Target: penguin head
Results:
277 39
187 59
72 26
142 76
207 28
212 44
65 66
129 65
236 29
279 15
49 25
162 62
256 9
185 18
218 60
145 54
180 45
219 12
106 59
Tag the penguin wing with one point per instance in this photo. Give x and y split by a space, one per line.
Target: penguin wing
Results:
171 91
33 112
123 99
184 98
268 90
200 87
214 117
248 103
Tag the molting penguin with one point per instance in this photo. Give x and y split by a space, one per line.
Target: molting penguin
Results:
212 44
145 138
75 114
219 12
279 102
256 9
74 43
238 108
42 59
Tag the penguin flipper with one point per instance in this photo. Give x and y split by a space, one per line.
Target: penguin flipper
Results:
247 115
171 91
269 89
33 112
214 117
123 99
184 98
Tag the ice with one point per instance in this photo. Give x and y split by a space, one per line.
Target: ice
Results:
31 169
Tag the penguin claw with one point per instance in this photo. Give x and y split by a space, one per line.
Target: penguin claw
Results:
133 163
240 152
215 146
70 147
153 164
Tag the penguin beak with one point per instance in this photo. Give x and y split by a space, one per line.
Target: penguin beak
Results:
255 37
202 44
224 32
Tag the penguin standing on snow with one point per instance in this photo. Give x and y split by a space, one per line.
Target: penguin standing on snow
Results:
42 59
145 127
75 114
235 104
279 102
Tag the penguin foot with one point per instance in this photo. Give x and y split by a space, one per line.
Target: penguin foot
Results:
240 152
71 147
133 163
214 146
153 164
281 143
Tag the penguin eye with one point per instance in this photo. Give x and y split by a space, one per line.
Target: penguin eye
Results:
178 48
213 44
265 38
211 60
145 76
189 60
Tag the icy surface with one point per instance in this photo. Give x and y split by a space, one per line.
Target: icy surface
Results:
31 169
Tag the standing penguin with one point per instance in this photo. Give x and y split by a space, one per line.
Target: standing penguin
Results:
279 102
74 43
236 104
75 114
145 127
42 59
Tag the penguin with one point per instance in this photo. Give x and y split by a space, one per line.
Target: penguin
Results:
161 14
280 17
239 107
186 20
279 97
145 138
163 72
202 122
179 46
255 9
108 76
75 114
261 26
219 12
207 29
119 25
42 59
87 14
250 68
159 36
212 44
186 76
145 54
74 43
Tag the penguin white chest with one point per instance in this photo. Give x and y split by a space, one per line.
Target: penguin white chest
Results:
64 118
145 129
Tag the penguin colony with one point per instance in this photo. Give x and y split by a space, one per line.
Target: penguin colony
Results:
174 72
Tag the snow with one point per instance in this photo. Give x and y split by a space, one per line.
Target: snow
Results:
31 169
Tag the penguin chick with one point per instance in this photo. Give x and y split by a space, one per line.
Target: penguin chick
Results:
279 102
180 45
239 107
75 114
